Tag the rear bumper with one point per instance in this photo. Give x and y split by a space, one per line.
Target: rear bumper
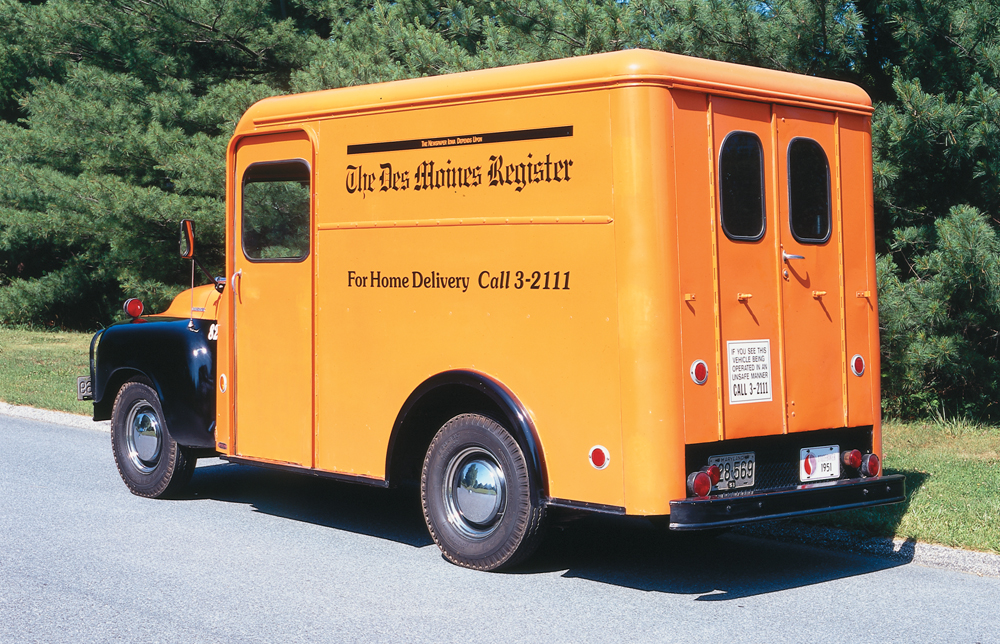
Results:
816 498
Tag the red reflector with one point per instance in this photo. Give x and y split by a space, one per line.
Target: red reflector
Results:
599 457
699 372
133 307
870 465
857 365
714 473
852 458
699 483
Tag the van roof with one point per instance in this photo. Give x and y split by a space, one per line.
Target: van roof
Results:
623 68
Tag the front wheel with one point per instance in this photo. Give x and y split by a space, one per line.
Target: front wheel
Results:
477 495
150 462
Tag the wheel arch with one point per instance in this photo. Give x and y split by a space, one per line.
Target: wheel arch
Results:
115 381
446 395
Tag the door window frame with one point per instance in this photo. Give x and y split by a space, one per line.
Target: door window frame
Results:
829 193
243 183
763 193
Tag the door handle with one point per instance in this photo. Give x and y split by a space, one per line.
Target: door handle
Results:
785 256
232 281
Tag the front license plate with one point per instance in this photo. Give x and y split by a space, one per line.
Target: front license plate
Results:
737 470
819 463
83 388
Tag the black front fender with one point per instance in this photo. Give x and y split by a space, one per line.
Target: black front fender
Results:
176 356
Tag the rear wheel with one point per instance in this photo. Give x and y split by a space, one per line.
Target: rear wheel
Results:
150 462
477 495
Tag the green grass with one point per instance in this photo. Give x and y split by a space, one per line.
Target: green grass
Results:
951 465
39 368
952 486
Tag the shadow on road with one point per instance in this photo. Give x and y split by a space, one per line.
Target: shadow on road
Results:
622 551
387 514
634 554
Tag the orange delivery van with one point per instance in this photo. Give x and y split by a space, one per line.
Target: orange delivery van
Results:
632 283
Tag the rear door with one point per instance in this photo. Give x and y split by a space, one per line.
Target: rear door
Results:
273 299
810 273
779 268
748 267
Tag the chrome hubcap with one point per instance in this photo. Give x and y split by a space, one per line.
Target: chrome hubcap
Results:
475 491
144 437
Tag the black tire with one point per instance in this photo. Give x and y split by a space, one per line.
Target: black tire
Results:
150 462
477 495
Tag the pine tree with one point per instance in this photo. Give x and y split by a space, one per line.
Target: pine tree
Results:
114 119
117 117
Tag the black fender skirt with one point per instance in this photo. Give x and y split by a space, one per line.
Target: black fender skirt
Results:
815 498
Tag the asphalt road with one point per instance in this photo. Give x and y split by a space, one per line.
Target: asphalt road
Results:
260 556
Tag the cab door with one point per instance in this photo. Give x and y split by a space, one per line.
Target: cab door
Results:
273 299
809 221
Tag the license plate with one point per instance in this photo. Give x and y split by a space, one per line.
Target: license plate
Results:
737 470
83 388
819 463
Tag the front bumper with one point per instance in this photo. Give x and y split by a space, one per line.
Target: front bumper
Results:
803 500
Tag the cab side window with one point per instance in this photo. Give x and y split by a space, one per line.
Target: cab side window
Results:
741 186
275 216
808 191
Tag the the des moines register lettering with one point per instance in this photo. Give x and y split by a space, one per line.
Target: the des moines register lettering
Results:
435 175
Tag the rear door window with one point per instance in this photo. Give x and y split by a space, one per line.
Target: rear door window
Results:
808 191
741 186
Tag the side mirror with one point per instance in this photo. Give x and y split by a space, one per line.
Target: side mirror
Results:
187 252
187 239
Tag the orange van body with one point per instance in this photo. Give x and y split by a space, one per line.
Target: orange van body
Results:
624 209
557 233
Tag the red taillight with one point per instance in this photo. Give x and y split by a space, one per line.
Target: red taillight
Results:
133 307
699 483
714 473
857 365
852 458
870 465
699 372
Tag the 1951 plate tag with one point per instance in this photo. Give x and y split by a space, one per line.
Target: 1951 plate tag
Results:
819 463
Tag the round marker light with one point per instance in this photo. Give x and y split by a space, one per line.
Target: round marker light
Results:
714 473
699 372
870 465
699 484
857 365
852 458
599 457
133 307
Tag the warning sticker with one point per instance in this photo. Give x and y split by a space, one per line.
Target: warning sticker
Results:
749 371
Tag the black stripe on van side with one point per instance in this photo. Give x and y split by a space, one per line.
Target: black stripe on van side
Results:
463 139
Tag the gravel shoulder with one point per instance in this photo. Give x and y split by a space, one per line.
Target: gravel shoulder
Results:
983 564
55 417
